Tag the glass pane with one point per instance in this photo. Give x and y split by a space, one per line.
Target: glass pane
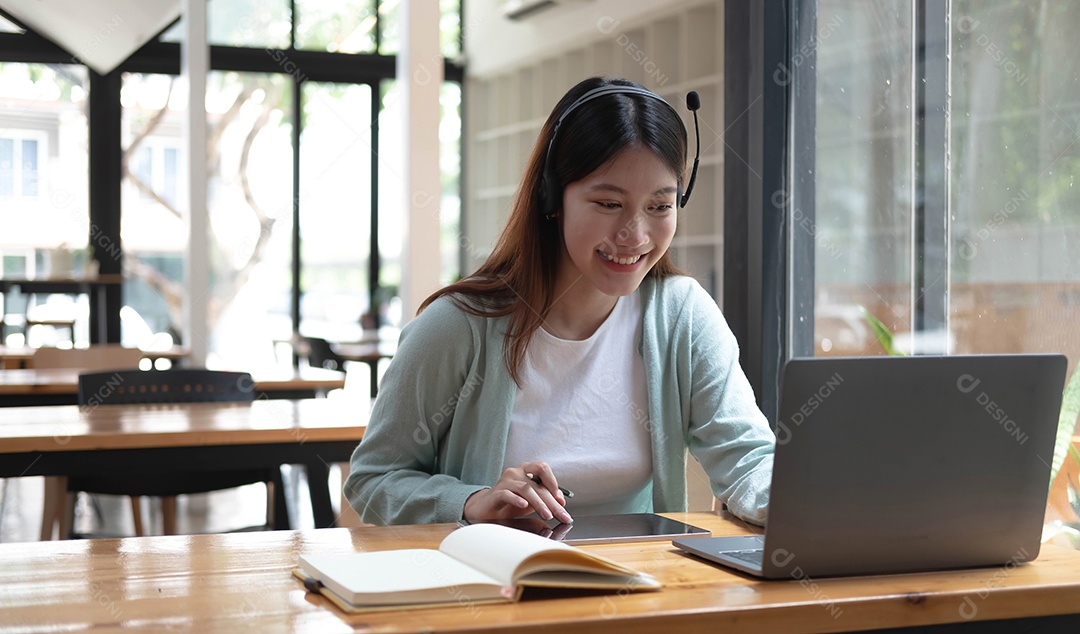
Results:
255 23
44 217
862 230
251 205
450 168
249 23
153 228
28 163
143 170
1015 202
249 161
391 225
42 114
390 41
335 209
391 197
7 167
450 28
172 171
336 26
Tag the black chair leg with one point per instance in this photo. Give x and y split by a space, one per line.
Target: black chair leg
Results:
281 508
318 484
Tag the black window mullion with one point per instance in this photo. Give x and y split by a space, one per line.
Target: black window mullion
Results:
930 217
802 210
292 25
756 107
374 259
105 176
297 124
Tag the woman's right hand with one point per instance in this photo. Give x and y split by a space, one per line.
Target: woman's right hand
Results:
517 494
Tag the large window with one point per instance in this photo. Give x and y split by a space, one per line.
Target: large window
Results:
293 134
1014 202
864 180
153 217
990 157
335 199
44 220
945 143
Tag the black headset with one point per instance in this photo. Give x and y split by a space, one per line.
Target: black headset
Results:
549 184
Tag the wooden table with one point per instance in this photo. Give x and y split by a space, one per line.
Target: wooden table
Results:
61 386
21 357
95 287
67 440
242 581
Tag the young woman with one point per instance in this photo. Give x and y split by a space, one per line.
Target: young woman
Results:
576 355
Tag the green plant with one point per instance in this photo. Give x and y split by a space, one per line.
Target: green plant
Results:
1063 449
883 334
1070 409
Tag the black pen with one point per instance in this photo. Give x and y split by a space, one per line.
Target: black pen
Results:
566 492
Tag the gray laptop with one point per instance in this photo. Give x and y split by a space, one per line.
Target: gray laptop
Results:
896 464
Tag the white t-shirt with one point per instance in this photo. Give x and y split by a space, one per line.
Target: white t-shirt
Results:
583 409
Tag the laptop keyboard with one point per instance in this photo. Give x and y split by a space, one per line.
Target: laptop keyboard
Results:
754 556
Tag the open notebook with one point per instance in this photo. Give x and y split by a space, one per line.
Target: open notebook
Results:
480 563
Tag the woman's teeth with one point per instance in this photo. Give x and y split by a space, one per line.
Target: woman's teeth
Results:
623 261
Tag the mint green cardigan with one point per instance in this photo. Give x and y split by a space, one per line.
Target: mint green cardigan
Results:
438 429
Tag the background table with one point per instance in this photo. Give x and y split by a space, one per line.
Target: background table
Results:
94 287
21 357
67 440
242 581
61 386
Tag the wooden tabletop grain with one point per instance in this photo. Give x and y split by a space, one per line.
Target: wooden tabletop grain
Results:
242 582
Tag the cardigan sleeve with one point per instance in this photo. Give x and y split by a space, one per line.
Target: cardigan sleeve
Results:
727 432
394 472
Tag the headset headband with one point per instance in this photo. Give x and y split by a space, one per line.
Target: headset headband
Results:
547 183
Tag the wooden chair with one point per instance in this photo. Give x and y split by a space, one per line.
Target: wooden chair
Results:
174 386
96 357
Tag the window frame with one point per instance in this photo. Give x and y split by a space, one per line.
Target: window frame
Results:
161 57
769 198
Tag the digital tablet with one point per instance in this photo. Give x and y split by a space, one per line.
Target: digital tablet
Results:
606 529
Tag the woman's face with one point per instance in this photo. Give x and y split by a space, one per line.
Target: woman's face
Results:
618 222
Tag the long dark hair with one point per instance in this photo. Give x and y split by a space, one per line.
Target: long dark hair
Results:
518 278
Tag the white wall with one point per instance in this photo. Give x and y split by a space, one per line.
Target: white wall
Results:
494 43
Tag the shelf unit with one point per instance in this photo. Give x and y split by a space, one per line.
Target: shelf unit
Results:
669 54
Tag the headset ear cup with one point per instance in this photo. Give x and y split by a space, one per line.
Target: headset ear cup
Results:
542 194
552 196
549 196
